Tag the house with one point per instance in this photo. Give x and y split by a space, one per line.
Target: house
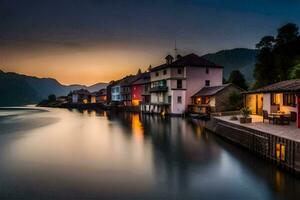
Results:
108 91
279 97
115 92
175 82
140 89
213 99
99 97
125 85
80 96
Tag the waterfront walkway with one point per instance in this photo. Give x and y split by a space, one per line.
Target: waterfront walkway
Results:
290 132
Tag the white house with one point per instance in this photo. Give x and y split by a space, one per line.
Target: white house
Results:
279 97
175 82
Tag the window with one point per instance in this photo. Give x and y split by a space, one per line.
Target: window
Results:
289 99
207 70
165 71
275 99
179 71
169 99
179 99
156 74
179 84
207 83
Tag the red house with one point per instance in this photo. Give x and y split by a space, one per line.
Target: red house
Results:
138 88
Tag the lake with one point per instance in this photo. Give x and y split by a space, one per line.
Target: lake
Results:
71 154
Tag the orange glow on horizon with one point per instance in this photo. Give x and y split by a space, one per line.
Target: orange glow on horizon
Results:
88 65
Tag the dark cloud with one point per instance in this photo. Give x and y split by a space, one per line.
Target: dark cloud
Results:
214 23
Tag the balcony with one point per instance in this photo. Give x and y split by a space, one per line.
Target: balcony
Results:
159 89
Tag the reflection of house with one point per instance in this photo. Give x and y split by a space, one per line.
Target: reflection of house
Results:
282 97
80 96
173 83
213 99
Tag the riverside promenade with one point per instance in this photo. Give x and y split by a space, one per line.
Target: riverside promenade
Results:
277 143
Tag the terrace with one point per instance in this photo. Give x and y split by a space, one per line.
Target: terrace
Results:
290 131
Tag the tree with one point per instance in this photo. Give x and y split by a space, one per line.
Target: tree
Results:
237 78
277 56
236 101
51 98
265 72
287 33
294 73
266 42
139 71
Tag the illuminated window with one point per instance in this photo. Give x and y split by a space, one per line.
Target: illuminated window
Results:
135 102
275 99
93 99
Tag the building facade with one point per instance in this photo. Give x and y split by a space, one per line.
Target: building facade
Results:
213 99
80 96
174 83
116 92
282 97
140 89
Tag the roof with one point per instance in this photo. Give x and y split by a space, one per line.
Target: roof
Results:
81 92
142 79
101 92
210 91
283 86
127 80
188 60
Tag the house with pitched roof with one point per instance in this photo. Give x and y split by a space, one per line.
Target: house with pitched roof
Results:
176 81
281 97
140 94
80 96
213 98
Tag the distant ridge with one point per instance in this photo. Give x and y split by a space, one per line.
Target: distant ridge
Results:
18 89
242 59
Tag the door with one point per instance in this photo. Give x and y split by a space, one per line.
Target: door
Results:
259 104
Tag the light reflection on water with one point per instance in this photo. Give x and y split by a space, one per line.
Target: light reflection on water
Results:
87 154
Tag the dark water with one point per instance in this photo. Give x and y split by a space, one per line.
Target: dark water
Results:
65 154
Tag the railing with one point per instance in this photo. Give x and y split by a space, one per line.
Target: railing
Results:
159 89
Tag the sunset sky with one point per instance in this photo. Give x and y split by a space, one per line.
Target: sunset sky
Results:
90 41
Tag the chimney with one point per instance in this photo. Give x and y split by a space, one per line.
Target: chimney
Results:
169 59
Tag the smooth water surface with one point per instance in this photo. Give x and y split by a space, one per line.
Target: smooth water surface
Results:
62 154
